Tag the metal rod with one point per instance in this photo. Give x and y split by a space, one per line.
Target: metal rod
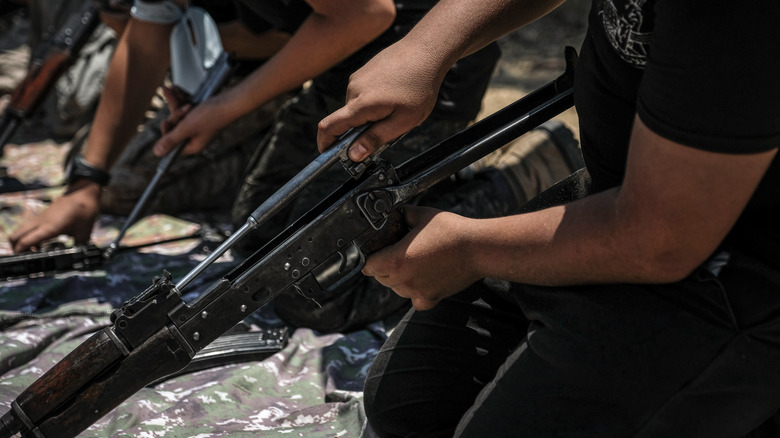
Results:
9 125
162 168
280 199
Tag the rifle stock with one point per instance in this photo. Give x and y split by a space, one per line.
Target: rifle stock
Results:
48 63
158 333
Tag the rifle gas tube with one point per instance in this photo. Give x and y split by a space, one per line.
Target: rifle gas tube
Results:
157 333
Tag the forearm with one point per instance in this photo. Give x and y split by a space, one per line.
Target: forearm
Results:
324 39
675 206
580 243
479 23
247 45
137 68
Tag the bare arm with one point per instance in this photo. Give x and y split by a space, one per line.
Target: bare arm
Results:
675 206
242 43
136 69
334 30
398 88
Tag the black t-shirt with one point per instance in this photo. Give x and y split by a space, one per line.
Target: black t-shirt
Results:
461 93
703 73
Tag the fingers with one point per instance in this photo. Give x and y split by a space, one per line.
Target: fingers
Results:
177 108
172 98
419 302
165 144
423 303
342 120
175 137
177 116
386 127
174 118
81 235
15 239
29 238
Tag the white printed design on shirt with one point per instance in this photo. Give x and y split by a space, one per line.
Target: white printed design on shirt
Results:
623 29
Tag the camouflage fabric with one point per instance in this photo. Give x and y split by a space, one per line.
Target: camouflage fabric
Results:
32 166
312 388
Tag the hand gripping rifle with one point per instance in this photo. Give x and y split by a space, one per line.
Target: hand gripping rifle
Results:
156 334
90 256
48 63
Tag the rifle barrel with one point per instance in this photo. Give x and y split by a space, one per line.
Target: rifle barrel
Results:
8 126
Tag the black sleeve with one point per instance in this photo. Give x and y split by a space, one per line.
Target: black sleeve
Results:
712 80
220 10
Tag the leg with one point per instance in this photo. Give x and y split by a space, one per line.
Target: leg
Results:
436 362
692 359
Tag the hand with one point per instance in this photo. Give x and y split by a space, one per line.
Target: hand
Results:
392 90
196 125
73 214
430 263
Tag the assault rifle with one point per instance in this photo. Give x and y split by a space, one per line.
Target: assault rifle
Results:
90 256
48 63
156 333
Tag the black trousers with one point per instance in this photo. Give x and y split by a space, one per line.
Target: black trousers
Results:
698 358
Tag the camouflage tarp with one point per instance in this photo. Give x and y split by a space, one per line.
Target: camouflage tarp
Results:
311 388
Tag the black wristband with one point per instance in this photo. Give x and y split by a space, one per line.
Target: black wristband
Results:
79 168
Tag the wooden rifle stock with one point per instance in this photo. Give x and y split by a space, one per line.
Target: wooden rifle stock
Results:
52 60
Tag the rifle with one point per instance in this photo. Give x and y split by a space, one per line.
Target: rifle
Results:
156 333
90 256
48 63
86 257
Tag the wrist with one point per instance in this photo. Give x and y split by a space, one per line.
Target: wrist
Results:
84 187
79 170
473 240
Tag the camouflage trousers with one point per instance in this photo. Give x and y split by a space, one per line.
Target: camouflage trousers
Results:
207 181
